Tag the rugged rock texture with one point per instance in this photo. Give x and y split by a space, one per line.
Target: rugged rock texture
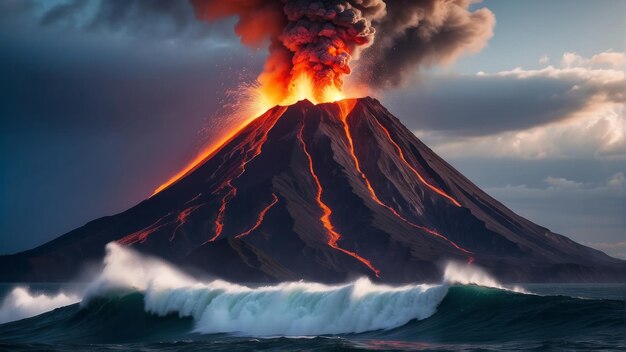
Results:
326 193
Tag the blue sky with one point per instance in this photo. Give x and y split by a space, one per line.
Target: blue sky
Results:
94 117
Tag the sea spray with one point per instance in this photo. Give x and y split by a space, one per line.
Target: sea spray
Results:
21 303
464 274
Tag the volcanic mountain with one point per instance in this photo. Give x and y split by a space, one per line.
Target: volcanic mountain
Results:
327 193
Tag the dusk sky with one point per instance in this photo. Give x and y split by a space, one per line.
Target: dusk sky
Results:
101 103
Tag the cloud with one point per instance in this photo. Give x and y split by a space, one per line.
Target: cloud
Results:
579 210
616 181
558 186
607 59
574 110
139 19
615 249
562 183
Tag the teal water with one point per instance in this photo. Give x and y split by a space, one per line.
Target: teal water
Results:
469 318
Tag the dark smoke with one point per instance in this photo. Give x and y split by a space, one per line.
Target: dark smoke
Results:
417 33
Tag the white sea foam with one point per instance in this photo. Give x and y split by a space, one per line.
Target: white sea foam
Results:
464 274
21 303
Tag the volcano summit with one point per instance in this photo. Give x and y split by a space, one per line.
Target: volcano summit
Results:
324 193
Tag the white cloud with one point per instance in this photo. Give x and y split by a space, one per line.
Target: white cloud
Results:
581 211
607 59
588 120
562 183
617 249
617 181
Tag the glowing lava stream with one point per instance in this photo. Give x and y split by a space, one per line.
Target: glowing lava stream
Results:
182 217
142 235
232 190
345 108
406 162
260 218
333 236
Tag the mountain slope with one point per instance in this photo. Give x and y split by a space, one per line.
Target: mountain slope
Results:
324 192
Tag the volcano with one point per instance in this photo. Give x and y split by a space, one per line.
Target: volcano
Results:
326 193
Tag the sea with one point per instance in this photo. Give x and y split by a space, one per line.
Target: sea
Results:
143 304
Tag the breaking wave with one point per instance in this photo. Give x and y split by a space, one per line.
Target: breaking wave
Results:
144 300
286 309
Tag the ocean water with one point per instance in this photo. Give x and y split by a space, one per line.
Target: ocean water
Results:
143 304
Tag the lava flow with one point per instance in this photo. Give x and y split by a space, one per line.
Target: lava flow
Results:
232 190
142 235
345 107
333 236
182 218
219 220
417 174
260 218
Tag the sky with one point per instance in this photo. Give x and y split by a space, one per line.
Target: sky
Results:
98 107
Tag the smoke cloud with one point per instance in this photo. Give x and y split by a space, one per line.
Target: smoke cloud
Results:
322 37
416 33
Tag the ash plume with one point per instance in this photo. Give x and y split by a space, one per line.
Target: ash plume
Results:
416 33
322 37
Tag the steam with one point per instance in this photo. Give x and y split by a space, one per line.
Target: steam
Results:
21 303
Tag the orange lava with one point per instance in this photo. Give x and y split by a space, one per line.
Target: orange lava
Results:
260 218
182 217
401 154
219 221
333 236
232 190
142 235
345 109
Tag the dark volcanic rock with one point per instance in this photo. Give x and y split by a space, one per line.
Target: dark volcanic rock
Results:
326 193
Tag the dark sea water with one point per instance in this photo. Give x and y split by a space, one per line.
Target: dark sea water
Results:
468 318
